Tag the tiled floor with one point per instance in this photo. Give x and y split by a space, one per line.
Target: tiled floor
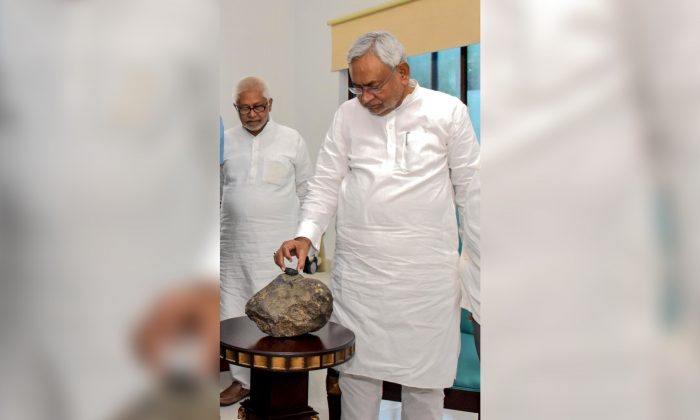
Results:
389 410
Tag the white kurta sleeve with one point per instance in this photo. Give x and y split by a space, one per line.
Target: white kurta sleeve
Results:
463 160
322 198
470 262
302 170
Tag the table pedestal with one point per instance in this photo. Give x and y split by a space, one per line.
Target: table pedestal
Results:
279 367
277 396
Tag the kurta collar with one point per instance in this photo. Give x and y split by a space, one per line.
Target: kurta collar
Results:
413 95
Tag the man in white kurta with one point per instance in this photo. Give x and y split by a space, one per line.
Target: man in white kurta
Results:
264 175
395 165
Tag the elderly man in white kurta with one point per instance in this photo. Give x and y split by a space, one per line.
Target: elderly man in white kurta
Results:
264 175
395 165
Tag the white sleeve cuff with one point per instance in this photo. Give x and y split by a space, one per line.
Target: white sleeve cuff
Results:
309 229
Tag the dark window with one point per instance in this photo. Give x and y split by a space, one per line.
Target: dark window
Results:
473 85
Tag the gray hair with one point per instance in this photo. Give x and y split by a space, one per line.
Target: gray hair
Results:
251 83
382 44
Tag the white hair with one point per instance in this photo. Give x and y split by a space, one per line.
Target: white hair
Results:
382 44
251 83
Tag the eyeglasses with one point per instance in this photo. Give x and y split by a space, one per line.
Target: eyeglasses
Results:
246 109
358 90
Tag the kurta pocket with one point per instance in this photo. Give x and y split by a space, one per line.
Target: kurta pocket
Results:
275 172
420 150
401 146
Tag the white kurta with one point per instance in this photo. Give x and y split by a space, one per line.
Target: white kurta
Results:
264 179
395 181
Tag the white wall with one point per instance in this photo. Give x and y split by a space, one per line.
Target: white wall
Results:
287 43
316 86
257 39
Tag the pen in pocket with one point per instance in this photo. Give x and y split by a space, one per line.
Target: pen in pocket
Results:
403 150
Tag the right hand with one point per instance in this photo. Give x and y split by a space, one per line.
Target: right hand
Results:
297 247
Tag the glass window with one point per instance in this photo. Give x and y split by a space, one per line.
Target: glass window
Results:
474 86
421 66
449 77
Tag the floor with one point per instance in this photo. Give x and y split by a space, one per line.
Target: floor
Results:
389 410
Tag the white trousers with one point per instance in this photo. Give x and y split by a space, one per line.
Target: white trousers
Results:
240 374
361 396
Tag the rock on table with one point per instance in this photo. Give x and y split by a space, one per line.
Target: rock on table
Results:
291 305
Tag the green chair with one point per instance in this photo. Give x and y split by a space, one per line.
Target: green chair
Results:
464 395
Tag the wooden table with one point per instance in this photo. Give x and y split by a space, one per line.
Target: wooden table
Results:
279 387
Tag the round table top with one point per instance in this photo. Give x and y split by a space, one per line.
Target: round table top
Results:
243 344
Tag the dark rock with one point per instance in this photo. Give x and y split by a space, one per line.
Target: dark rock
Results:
291 305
